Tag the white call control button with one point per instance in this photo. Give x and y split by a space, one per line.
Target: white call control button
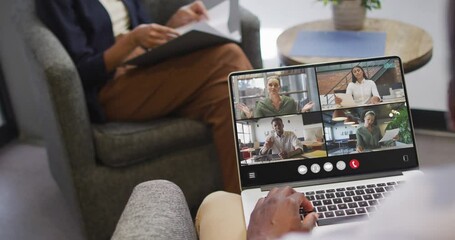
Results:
328 167
341 165
315 168
302 169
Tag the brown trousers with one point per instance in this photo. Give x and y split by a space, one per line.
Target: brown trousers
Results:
220 217
192 86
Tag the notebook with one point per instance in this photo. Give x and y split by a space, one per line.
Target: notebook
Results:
344 184
222 26
346 100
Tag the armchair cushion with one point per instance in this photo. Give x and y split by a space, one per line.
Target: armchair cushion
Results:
123 144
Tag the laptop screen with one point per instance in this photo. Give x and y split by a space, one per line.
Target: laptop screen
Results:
299 123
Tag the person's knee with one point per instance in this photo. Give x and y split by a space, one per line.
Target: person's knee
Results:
231 53
218 199
220 209
233 48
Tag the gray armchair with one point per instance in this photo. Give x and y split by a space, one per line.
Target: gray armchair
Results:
97 166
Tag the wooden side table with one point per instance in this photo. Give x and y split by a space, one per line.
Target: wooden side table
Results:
412 44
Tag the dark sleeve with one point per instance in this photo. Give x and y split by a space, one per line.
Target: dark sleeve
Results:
64 19
142 17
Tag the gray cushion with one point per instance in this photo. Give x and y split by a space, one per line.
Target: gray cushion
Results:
123 144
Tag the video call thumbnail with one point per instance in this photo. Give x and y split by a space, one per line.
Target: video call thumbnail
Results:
347 85
255 94
365 129
283 138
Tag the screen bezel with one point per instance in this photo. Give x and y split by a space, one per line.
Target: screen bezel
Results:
283 172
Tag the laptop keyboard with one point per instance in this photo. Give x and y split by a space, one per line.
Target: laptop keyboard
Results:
348 204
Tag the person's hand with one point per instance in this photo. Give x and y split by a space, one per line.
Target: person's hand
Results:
307 106
151 35
337 100
396 138
245 109
374 100
283 154
360 149
192 12
278 214
268 143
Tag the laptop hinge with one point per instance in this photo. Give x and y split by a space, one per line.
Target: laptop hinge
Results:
332 180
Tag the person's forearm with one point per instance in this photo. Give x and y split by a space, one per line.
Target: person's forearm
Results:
116 55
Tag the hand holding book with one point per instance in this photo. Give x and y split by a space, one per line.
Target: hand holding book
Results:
209 31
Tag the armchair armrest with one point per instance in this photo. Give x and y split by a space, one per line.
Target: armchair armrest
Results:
156 210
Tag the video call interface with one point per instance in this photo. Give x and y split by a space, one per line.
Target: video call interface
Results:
321 111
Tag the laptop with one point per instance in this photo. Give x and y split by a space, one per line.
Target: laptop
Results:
345 185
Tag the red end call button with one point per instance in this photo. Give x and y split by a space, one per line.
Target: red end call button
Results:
354 163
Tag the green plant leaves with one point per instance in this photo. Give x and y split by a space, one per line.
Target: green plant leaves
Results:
401 121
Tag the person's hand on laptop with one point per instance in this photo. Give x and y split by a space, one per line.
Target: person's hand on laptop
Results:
278 214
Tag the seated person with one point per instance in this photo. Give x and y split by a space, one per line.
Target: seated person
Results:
410 214
369 134
284 143
363 91
178 86
274 104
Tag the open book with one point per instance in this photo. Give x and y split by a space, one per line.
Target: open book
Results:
216 30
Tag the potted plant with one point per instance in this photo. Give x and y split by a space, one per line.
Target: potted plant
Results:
350 14
401 120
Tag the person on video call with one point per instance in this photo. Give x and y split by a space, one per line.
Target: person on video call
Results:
100 35
363 91
274 104
284 143
423 208
369 134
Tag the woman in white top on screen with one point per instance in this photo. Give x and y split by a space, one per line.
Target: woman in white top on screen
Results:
363 91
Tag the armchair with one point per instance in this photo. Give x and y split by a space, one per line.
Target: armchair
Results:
97 165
